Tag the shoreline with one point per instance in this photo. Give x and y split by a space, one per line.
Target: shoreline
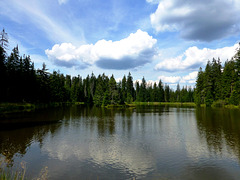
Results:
9 108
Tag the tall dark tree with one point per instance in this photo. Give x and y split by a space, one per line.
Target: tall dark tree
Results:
199 90
92 85
124 89
99 93
161 92
167 93
217 79
113 93
137 86
155 92
43 92
130 89
142 91
4 40
228 79
3 75
178 93
208 84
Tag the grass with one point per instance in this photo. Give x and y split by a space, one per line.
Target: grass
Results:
19 174
187 104
27 107
8 174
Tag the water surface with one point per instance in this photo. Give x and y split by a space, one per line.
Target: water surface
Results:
147 142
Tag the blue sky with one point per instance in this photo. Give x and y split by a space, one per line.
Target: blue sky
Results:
157 39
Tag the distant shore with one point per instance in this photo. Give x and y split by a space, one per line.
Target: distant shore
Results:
6 108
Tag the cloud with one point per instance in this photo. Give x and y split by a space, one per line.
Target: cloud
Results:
189 79
197 20
153 1
170 79
62 1
135 50
55 27
194 57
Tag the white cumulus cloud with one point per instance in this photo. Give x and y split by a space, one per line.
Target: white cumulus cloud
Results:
170 79
187 79
197 20
153 1
62 1
135 50
194 57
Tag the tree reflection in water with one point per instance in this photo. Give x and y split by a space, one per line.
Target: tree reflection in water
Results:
219 127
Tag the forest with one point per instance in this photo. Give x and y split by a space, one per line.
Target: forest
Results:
21 82
217 84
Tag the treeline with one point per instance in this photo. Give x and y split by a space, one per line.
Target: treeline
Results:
21 82
217 84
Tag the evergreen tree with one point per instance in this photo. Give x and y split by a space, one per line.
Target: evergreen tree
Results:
228 79
199 90
155 92
99 93
43 84
130 89
142 91
161 92
137 91
124 89
4 40
167 93
208 84
113 93
178 97
3 75
217 79
92 86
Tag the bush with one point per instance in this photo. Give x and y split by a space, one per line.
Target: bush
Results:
219 103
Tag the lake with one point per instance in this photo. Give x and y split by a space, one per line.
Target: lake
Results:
146 142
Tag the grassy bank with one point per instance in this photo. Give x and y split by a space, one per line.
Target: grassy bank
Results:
7 173
217 104
27 107
186 104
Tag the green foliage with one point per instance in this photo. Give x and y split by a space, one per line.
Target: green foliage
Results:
22 83
219 85
209 99
219 103
161 92
4 40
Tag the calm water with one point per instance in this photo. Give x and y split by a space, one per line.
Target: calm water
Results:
148 142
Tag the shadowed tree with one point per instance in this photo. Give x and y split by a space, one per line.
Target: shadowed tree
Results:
4 40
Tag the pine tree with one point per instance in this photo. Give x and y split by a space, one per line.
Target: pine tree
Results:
208 84
124 89
178 97
228 79
92 87
155 92
167 93
199 90
113 93
161 92
99 93
129 86
217 79
3 75
4 40
137 91
142 91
